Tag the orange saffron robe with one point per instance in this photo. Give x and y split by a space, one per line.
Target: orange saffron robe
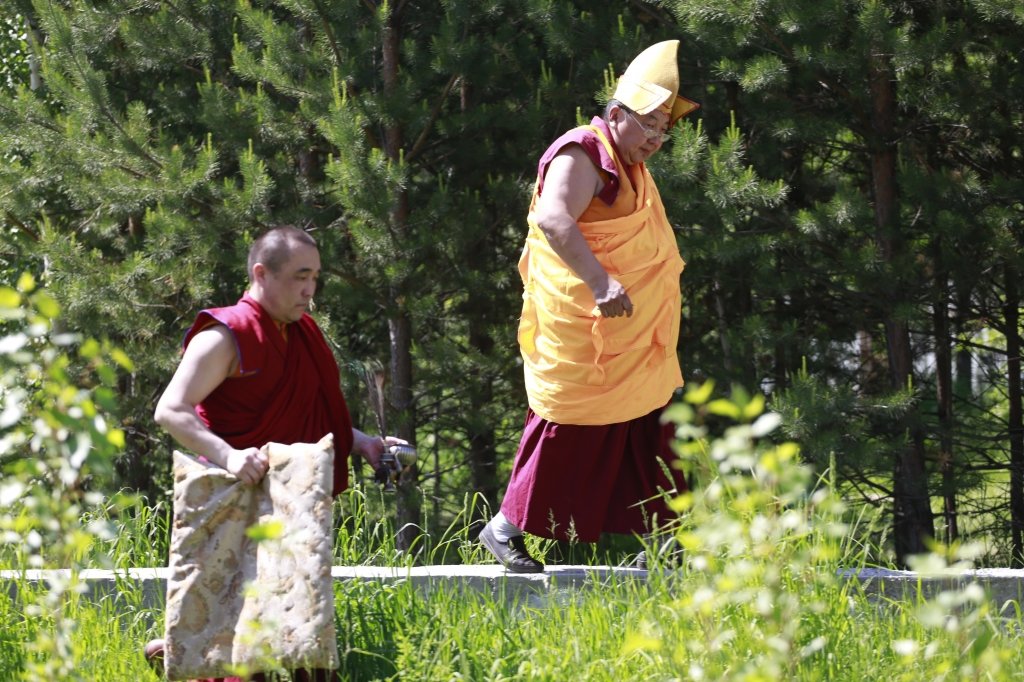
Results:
585 369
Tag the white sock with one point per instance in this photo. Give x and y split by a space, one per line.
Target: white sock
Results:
503 529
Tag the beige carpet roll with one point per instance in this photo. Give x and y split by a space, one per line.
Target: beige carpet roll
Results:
252 600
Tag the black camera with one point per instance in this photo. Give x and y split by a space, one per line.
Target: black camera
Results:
395 460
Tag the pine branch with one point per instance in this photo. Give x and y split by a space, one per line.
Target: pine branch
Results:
11 218
417 146
328 31
104 110
644 8
822 75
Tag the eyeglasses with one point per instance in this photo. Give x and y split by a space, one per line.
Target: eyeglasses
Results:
649 132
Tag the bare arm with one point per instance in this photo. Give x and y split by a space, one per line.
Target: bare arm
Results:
570 185
208 360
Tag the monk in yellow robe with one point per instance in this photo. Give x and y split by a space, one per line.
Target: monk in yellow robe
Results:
599 327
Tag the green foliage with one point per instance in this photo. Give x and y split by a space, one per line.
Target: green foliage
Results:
56 436
837 429
14 52
755 595
763 544
159 139
726 211
119 630
829 277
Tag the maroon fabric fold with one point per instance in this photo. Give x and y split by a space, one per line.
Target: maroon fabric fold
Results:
591 144
287 389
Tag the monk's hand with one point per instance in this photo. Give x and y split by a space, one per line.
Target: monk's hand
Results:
249 465
393 440
369 447
373 447
612 299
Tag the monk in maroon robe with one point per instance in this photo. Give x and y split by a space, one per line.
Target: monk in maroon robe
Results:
260 371
599 328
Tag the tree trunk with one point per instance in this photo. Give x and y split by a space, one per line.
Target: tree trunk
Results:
399 324
872 373
35 76
482 459
944 394
1015 428
407 512
912 525
723 324
964 361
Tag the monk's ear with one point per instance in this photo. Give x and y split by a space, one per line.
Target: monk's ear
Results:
616 113
259 272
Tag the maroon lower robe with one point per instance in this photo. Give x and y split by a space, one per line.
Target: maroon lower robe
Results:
575 482
286 390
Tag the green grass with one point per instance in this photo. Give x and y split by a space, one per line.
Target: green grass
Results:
751 612
654 630
633 630
757 597
392 631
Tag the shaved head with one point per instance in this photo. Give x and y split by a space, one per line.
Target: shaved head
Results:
274 247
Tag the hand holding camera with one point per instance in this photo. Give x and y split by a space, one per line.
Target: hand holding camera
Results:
396 459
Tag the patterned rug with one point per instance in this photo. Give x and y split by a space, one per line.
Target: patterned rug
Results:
241 600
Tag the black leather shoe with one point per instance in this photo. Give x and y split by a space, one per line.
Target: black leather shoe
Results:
511 554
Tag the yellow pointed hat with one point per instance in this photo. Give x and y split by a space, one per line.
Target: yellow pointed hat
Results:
652 81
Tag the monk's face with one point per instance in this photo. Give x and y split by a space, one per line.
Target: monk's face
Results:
286 294
636 136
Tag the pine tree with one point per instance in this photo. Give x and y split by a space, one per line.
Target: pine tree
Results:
165 137
15 69
863 109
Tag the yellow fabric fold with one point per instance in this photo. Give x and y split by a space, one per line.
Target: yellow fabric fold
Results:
581 368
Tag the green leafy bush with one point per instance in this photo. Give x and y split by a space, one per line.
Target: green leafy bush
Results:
763 590
57 392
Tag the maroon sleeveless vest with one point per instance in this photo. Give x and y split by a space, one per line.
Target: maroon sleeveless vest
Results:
286 391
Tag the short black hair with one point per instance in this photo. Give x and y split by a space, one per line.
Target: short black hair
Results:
274 247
